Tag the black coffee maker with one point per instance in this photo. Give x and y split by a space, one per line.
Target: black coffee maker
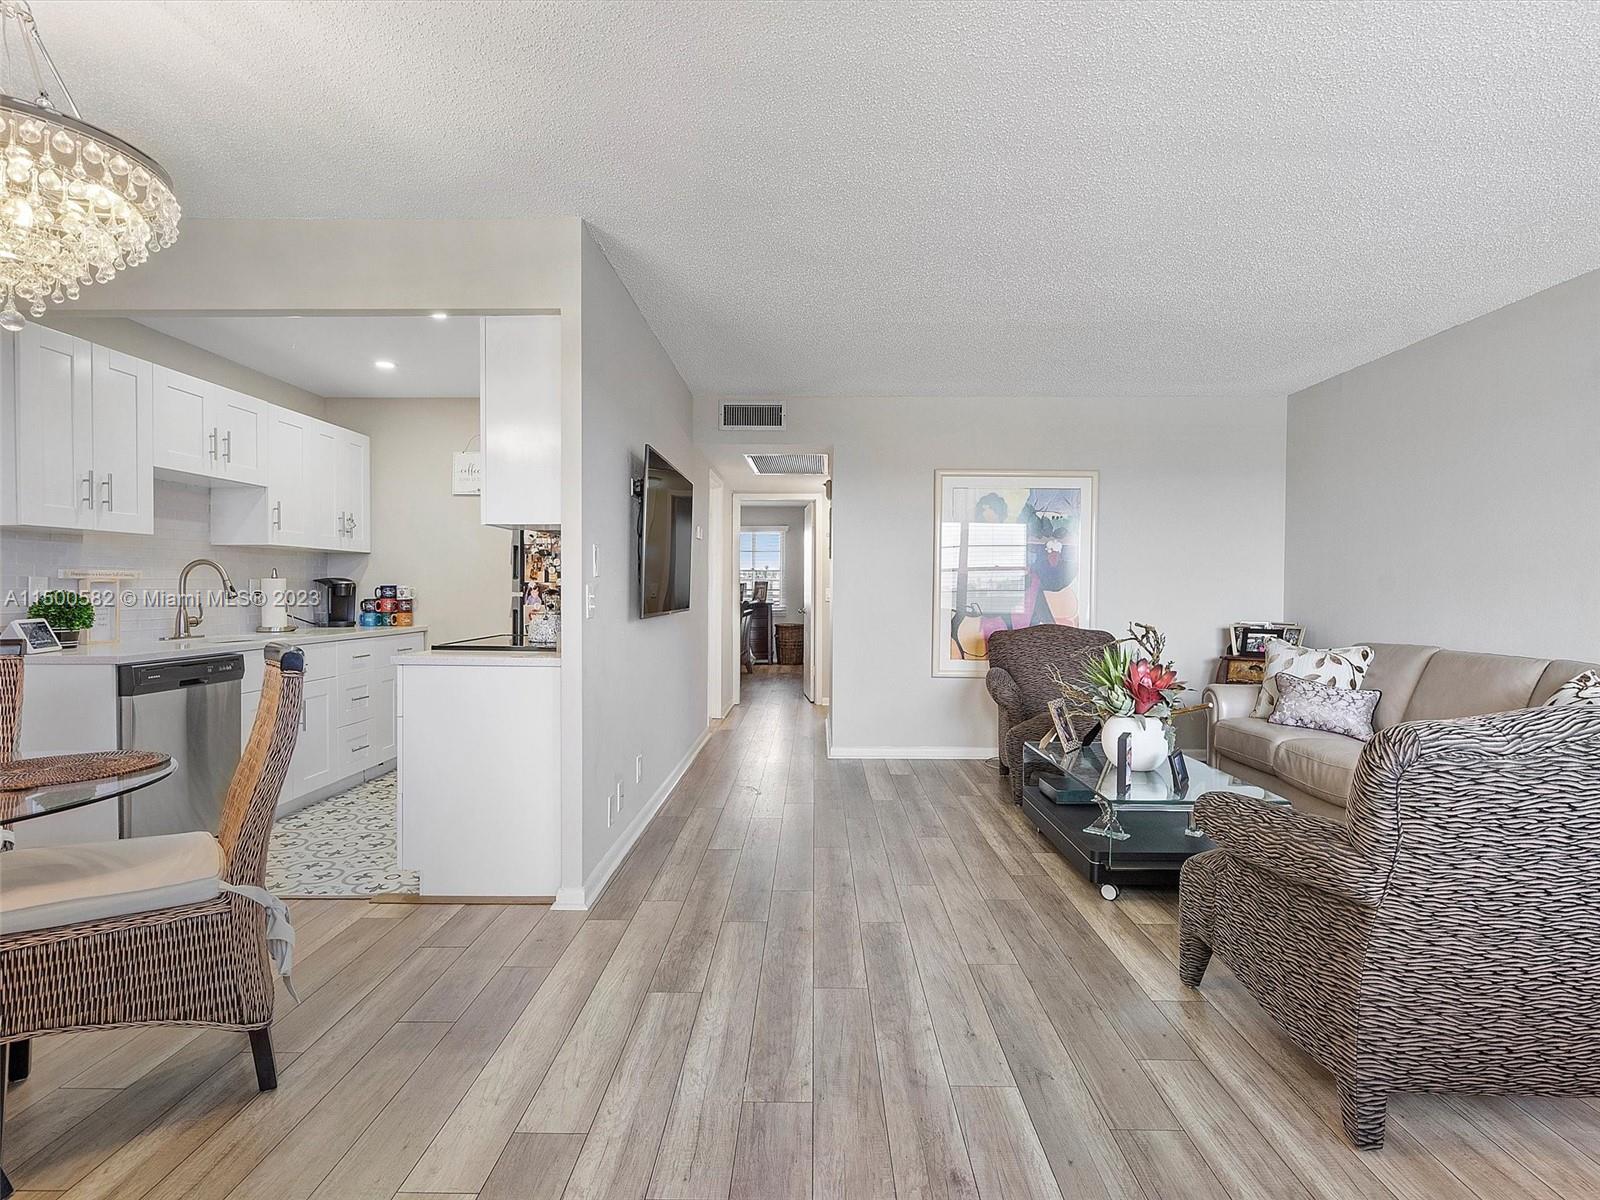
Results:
341 601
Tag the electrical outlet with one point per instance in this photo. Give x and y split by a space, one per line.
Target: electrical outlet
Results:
638 768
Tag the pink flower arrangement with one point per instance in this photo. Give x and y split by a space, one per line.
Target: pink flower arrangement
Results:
1128 678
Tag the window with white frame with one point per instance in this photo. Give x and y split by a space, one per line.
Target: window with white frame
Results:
761 558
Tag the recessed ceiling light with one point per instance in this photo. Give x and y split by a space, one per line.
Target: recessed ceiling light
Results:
441 316
383 364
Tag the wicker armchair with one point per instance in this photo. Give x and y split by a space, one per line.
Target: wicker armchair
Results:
202 963
1444 936
1019 680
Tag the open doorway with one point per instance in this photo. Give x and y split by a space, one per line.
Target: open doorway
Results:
776 582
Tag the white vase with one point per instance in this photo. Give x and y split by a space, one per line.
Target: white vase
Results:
1146 748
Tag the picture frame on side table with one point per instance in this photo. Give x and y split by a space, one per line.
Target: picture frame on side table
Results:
1011 549
1251 637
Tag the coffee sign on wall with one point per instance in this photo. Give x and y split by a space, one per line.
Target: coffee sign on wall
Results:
466 473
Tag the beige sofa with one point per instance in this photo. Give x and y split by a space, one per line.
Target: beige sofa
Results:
1419 683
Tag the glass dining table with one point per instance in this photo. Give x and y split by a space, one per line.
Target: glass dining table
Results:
24 804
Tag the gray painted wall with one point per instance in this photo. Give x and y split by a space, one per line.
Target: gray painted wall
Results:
1190 534
1449 493
644 681
421 534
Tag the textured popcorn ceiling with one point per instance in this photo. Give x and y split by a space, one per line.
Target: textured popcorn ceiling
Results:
909 198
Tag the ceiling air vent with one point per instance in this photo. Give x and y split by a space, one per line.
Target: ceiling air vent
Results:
788 464
752 416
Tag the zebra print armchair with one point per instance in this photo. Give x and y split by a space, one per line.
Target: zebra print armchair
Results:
1444 936
1019 681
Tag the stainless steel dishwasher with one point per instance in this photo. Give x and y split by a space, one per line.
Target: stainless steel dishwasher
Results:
189 708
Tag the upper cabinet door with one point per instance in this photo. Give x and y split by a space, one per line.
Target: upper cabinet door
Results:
240 422
287 451
520 420
354 490
322 487
124 436
185 434
55 483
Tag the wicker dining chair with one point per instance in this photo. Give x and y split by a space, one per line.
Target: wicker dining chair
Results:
10 700
204 963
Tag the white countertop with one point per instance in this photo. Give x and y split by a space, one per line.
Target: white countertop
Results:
144 649
481 658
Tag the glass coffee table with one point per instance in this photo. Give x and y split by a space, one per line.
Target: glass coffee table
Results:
1139 839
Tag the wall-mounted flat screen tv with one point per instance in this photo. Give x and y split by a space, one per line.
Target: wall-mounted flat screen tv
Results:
666 537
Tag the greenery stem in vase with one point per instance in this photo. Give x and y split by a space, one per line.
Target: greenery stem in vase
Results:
67 612
1124 686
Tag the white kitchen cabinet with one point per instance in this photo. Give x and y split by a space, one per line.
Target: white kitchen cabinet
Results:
207 433
288 462
122 431
184 443
313 764
520 420
240 422
48 437
349 712
353 490
384 712
79 421
322 487
317 476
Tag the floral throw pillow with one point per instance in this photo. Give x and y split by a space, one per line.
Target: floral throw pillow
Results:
1345 668
1306 704
1580 689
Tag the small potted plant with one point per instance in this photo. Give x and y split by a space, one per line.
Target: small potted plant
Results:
1129 688
68 613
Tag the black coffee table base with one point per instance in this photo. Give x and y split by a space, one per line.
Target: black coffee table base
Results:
1155 850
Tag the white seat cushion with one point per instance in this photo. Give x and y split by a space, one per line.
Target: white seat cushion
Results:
63 885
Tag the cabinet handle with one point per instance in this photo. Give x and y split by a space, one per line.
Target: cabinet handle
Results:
109 499
359 749
213 443
227 447
277 516
338 525
88 490
363 696
302 718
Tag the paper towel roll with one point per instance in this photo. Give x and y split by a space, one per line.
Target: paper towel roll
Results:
274 603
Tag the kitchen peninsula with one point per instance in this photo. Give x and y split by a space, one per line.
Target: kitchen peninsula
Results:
480 772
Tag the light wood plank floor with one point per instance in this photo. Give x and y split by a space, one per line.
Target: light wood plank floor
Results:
810 978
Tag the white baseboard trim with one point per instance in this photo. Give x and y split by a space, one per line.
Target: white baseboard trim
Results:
583 898
907 751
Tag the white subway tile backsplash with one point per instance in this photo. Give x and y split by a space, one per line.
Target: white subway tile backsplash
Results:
182 533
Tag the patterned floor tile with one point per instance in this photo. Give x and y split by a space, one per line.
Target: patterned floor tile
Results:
341 846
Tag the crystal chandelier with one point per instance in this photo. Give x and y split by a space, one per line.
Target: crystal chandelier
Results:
78 205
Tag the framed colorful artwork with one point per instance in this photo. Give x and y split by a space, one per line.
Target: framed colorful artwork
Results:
1011 549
